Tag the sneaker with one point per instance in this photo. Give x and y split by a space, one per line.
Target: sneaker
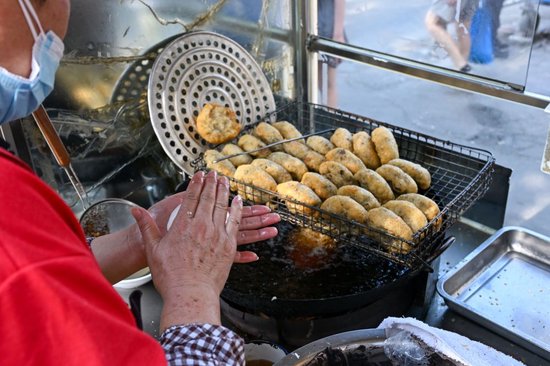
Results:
465 68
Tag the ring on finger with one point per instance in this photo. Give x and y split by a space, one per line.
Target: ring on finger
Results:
190 214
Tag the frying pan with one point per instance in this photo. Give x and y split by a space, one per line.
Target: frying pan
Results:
356 284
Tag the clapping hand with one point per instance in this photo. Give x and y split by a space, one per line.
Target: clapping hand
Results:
190 261
255 223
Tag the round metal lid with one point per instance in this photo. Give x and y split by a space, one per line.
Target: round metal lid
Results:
133 82
195 69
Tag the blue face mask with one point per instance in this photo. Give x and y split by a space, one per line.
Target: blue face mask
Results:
21 96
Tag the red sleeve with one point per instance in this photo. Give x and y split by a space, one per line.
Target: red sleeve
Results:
56 307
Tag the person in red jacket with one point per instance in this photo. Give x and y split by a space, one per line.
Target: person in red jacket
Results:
57 304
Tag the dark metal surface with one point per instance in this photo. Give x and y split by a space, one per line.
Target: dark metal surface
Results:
288 281
511 92
295 330
321 306
491 209
135 307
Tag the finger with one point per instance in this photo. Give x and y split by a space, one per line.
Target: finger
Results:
257 222
252 236
207 201
234 219
255 210
148 228
222 197
191 201
245 257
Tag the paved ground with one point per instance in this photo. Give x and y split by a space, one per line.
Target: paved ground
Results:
514 134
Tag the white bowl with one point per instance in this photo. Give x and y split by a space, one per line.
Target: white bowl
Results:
268 352
139 278
108 216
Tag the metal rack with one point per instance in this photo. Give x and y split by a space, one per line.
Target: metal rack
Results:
460 176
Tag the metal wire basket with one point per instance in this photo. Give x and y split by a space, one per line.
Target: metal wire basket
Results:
460 176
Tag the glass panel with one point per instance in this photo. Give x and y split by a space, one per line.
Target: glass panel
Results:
538 78
106 37
489 38
513 133
99 105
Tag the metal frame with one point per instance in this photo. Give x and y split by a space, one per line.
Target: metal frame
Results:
301 64
315 44
460 176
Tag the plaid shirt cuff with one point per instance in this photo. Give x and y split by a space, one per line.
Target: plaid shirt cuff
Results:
89 242
202 344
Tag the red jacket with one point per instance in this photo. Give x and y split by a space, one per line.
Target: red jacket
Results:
56 307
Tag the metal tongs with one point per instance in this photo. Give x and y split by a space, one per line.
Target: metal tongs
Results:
274 144
59 151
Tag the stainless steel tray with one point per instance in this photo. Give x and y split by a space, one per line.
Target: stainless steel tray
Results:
505 286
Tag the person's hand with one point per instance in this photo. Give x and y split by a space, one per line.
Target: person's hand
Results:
254 220
201 243
192 261
255 224
122 253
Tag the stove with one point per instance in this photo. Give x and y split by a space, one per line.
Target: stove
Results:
291 332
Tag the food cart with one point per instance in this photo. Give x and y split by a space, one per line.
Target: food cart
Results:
105 111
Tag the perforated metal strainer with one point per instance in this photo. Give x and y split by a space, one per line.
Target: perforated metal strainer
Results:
195 69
